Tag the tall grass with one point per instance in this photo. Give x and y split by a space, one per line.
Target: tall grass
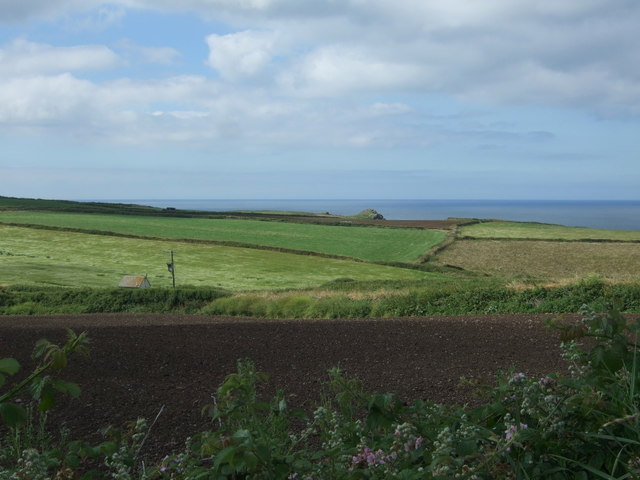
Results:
445 300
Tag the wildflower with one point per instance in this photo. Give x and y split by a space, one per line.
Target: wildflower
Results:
369 458
546 382
511 431
517 378
413 444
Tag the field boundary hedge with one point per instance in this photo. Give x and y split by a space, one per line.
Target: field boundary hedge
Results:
451 300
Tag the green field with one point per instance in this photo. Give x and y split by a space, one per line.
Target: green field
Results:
540 231
76 248
546 261
366 243
49 257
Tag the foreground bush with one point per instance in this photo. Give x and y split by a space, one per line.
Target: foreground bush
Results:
577 426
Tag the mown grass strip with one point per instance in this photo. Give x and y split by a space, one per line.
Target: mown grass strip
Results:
366 243
540 231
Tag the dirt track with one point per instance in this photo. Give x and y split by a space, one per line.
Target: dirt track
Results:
140 363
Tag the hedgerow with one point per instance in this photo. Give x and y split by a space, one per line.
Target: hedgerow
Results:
436 301
28 300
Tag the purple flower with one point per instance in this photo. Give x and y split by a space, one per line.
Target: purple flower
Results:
511 431
368 458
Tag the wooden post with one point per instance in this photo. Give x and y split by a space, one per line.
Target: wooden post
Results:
172 268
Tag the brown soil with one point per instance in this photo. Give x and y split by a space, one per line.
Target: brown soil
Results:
140 363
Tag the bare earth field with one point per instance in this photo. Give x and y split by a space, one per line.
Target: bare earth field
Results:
140 363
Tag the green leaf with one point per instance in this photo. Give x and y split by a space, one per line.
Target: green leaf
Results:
59 360
91 475
467 447
107 448
610 359
12 414
263 453
41 348
242 435
9 366
47 400
72 461
67 387
225 456
250 460
597 460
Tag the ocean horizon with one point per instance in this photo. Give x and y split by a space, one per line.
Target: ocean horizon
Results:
608 214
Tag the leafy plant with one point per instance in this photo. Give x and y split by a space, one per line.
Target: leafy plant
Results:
41 385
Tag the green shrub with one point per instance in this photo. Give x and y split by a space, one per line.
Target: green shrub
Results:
40 300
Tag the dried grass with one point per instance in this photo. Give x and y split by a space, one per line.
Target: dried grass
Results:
545 262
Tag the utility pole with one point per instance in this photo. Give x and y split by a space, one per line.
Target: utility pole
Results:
172 268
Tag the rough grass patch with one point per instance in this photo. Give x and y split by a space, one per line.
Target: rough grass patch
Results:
541 231
545 261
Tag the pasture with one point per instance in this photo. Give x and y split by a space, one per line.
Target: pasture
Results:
365 243
71 259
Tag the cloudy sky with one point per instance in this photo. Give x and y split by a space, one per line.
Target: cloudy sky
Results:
491 99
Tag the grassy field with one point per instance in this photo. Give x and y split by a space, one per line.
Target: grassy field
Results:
540 231
48 257
546 261
484 254
373 244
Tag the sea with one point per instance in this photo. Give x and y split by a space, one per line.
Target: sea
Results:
608 214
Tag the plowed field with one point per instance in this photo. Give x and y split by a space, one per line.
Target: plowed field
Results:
141 363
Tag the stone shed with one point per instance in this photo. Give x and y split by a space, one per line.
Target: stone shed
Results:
134 281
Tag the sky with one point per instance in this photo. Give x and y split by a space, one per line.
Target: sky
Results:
320 99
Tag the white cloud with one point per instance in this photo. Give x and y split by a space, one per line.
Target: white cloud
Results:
11 11
390 108
151 55
544 51
339 69
41 100
98 20
22 57
242 54
324 72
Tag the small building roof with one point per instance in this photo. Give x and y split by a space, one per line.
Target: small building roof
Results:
134 281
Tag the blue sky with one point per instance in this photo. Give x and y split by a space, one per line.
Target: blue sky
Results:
196 99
